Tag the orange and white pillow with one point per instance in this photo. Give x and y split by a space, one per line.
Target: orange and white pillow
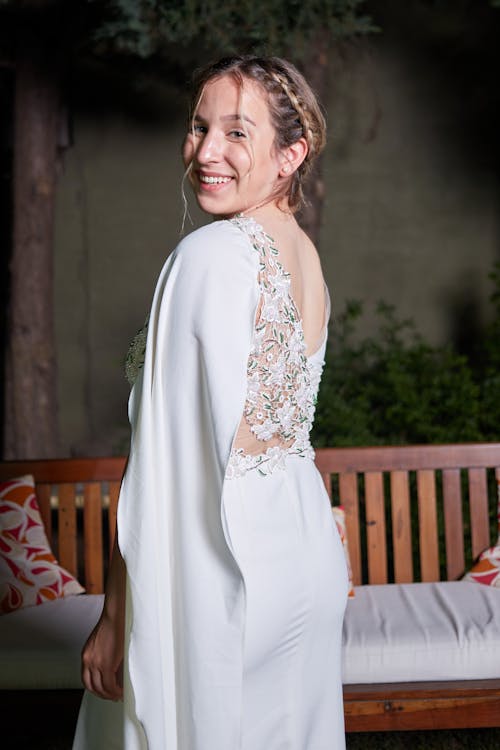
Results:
339 516
487 568
29 572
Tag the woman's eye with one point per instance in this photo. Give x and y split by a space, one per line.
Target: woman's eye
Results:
199 129
237 134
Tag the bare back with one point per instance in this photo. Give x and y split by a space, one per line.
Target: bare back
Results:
307 287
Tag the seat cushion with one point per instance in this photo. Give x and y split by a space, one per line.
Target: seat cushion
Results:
422 631
40 646
392 633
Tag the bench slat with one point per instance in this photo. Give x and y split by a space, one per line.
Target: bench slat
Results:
427 522
348 492
497 477
327 481
42 492
401 527
453 524
92 538
375 527
478 503
67 528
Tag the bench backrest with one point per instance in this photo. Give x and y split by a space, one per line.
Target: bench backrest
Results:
413 513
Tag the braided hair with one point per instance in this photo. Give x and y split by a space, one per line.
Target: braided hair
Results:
294 110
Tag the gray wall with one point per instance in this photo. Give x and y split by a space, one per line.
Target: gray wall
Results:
118 216
409 218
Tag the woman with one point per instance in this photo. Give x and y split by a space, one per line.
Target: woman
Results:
228 588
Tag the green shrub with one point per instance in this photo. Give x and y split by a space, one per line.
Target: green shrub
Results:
488 371
394 388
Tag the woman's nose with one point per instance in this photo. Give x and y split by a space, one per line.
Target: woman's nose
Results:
209 148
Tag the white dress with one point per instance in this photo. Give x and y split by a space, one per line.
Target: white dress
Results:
236 579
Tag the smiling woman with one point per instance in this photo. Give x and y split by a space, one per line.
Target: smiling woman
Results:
223 612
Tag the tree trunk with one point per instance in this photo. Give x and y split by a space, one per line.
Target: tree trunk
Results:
31 425
315 71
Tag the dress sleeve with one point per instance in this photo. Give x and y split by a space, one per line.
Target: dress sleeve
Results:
211 307
186 406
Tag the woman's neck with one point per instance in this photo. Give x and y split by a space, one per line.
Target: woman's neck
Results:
271 212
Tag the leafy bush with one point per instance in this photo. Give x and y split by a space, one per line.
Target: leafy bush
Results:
488 375
395 388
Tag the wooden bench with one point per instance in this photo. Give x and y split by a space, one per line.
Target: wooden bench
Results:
373 485
447 491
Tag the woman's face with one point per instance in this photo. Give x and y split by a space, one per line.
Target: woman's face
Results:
234 165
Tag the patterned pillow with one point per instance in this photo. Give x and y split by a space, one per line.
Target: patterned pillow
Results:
339 516
487 568
29 572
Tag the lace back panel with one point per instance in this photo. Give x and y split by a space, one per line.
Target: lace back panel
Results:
282 382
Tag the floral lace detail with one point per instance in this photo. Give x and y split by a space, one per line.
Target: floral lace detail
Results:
134 361
282 383
265 463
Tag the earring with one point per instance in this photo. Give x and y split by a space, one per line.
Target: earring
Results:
285 168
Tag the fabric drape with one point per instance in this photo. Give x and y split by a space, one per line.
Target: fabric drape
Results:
185 591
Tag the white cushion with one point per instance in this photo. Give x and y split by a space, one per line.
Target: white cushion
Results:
40 646
393 633
422 631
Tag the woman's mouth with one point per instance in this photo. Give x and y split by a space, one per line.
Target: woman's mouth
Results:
213 181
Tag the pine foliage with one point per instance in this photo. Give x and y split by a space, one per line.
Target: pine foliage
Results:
146 27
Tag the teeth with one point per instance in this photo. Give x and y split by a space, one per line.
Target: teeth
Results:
211 180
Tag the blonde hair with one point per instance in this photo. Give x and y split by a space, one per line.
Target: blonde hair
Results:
293 107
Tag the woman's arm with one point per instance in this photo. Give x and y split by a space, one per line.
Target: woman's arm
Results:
102 655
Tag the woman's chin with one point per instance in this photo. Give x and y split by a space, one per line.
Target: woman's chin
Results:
220 208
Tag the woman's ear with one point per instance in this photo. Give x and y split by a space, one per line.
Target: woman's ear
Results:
292 157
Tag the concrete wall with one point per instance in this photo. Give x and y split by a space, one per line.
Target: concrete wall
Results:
119 215
408 219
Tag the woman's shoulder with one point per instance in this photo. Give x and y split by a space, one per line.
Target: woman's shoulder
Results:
220 241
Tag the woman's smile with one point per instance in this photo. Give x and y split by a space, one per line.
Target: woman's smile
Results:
211 181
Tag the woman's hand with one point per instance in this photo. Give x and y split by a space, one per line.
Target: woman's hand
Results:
102 659
102 655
